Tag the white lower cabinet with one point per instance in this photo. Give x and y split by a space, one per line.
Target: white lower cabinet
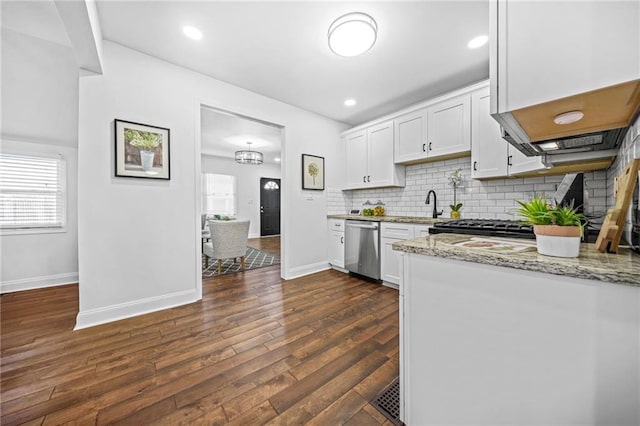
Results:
336 243
390 259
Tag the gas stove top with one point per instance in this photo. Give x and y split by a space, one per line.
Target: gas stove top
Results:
488 227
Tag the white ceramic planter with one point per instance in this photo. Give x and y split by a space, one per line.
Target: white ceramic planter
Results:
551 245
146 158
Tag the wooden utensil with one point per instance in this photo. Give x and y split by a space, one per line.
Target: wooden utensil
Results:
613 224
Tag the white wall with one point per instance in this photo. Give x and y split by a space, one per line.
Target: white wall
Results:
39 90
40 115
140 238
247 185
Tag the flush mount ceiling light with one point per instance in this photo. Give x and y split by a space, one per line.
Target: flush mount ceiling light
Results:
352 34
192 32
248 156
477 42
350 102
568 117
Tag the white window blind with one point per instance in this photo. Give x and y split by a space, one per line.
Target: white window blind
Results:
32 191
218 194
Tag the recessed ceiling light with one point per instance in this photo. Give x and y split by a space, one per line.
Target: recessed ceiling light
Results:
478 42
192 32
352 34
350 102
568 117
277 159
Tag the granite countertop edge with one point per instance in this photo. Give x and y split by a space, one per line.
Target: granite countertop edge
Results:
392 219
626 272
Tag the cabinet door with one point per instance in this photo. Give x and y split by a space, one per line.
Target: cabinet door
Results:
554 49
449 127
336 248
381 166
520 163
488 150
390 261
356 159
410 141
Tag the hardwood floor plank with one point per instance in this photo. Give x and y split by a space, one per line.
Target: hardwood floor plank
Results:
288 397
363 418
258 395
255 350
340 411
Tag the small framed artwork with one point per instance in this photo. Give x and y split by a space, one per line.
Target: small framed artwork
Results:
142 151
312 172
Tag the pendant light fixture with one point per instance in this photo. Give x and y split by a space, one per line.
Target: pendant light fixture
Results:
352 34
248 156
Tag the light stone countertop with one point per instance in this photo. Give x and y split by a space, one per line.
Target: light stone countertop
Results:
394 219
621 268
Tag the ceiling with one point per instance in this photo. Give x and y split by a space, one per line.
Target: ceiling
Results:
280 50
223 134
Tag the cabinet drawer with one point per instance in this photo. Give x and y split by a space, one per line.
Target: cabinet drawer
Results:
336 225
421 230
400 231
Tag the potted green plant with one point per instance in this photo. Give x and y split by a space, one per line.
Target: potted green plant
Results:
558 228
455 179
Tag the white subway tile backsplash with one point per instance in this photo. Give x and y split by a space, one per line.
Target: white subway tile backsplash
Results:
493 199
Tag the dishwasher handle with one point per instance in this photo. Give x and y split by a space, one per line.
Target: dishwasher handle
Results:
354 225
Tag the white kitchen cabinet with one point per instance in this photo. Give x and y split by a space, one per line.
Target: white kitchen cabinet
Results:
336 242
421 230
441 130
356 152
543 51
390 259
492 156
449 127
369 158
411 136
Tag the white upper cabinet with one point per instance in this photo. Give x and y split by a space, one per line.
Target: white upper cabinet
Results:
489 152
369 158
441 130
382 169
411 136
492 156
547 50
449 127
356 153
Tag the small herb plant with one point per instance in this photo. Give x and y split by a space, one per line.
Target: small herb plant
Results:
539 212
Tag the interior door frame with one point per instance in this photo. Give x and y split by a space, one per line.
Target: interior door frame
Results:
197 166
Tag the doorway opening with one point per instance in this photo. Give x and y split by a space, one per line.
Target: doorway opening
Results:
255 195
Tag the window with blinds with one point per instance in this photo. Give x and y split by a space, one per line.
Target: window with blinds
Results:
32 192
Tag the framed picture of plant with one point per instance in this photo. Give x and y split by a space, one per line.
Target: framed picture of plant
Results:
142 151
312 172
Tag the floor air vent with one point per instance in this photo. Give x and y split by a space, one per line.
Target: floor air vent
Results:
388 402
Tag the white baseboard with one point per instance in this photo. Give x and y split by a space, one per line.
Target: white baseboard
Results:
38 282
301 271
107 314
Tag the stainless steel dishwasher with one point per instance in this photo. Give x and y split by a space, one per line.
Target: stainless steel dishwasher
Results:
362 248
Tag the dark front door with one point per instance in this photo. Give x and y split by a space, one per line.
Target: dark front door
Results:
269 206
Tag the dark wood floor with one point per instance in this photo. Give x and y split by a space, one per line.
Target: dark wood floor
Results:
269 245
255 350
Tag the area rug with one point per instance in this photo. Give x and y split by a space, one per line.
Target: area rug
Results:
254 259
